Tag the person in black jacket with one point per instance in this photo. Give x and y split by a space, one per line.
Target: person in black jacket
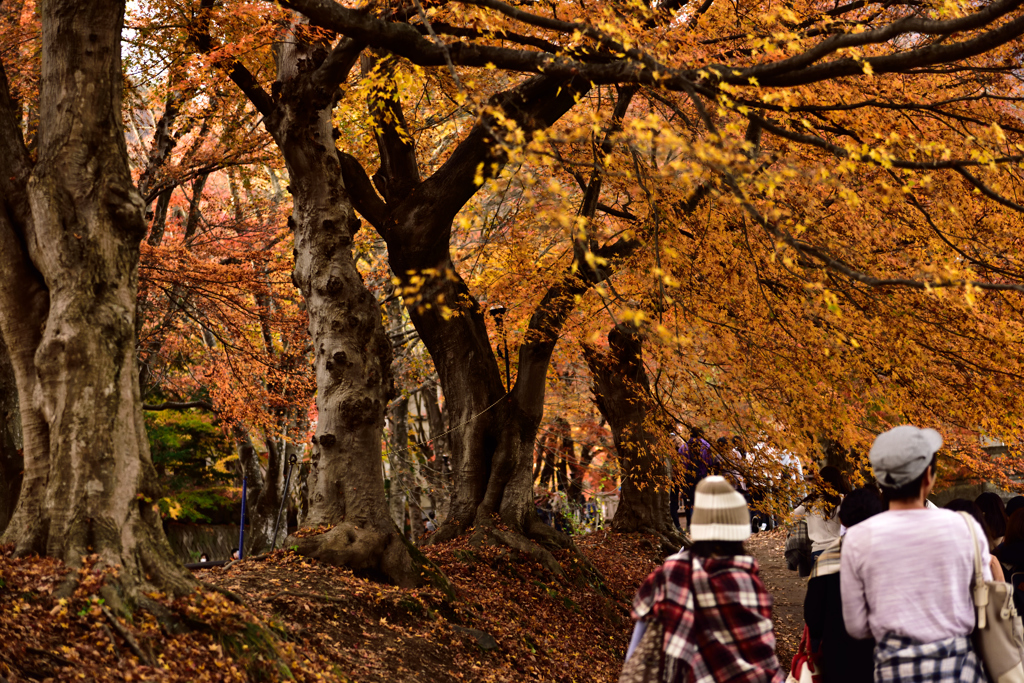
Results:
1011 556
842 659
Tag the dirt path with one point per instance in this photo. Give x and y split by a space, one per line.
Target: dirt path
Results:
787 589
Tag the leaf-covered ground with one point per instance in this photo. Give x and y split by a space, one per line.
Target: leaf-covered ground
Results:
512 621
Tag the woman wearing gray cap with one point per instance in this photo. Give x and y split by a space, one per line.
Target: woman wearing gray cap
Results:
906 573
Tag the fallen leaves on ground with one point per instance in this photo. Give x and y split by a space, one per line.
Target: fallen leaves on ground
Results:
329 624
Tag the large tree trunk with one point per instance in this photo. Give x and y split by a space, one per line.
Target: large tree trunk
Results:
11 462
399 461
579 466
493 432
265 491
88 475
623 395
436 453
352 352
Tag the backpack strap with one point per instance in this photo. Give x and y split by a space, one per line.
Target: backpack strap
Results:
978 585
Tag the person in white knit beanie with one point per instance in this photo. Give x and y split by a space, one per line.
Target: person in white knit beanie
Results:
706 609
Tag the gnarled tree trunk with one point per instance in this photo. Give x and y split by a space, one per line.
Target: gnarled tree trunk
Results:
352 352
433 444
493 430
11 462
265 490
623 396
403 476
70 271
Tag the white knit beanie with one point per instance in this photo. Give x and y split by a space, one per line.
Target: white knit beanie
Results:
719 512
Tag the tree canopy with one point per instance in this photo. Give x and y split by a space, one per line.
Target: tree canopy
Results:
795 225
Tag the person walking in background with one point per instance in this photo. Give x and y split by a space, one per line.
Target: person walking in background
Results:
698 461
1011 556
905 574
1014 504
842 659
675 501
971 508
705 615
820 510
991 505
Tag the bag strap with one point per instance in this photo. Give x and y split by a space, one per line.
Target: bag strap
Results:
980 588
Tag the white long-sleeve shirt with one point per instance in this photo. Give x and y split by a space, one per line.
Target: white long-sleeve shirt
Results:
823 531
909 572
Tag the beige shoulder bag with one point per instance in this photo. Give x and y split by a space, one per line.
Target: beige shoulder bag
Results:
998 634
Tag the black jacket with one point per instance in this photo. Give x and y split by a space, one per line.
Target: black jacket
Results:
1011 556
843 659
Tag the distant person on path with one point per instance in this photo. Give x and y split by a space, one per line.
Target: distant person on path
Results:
1014 504
1011 556
674 501
698 461
821 509
991 505
843 659
709 602
906 574
971 508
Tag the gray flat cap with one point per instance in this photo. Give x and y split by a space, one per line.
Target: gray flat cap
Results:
900 455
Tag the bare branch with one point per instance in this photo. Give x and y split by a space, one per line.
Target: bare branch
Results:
179 405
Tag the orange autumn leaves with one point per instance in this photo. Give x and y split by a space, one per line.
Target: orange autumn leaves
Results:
765 212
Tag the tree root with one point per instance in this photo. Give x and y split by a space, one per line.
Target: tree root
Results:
230 595
379 552
127 636
523 545
434 575
306 596
113 643
672 541
67 587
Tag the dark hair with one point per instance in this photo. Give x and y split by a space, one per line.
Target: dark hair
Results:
992 507
836 481
720 548
910 489
860 505
1014 504
964 505
1015 527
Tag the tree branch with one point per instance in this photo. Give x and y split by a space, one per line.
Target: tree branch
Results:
236 71
798 70
536 103
399 172
336 68
177 405
360 190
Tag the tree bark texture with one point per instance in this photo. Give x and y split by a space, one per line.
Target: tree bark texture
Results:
352 352
624 398
265 490
400 460
492 431
432 441
11 462
579 466
67 312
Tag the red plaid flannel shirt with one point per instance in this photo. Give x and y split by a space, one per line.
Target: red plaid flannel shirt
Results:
717 617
